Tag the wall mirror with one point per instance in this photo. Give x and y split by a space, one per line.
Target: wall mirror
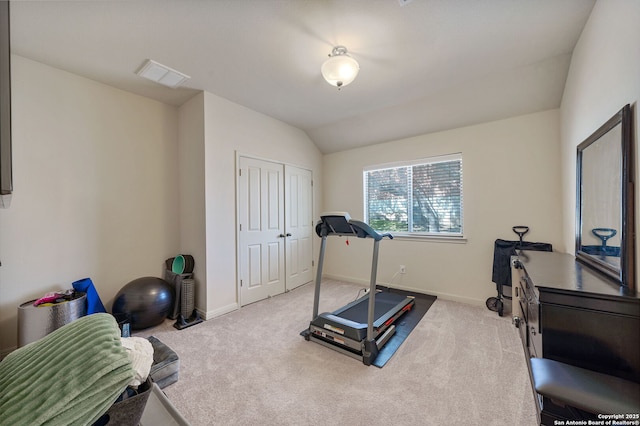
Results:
604 201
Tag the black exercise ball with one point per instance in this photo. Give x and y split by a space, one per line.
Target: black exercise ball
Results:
145 301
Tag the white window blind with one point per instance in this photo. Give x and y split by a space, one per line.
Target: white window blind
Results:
415 197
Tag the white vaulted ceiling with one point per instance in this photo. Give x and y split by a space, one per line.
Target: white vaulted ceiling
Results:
425 65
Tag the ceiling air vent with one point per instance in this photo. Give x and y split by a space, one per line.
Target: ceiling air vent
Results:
162 74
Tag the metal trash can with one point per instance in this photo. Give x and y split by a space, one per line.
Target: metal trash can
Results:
35 322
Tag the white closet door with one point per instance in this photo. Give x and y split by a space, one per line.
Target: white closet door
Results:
299 226
261 232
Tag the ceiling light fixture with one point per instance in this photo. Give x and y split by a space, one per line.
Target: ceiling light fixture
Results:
340 69
162 74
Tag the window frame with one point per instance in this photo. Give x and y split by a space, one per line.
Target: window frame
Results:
432 236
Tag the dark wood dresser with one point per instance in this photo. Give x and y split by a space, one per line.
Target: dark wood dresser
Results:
571 314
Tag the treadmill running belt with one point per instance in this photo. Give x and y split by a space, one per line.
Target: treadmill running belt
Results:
384 302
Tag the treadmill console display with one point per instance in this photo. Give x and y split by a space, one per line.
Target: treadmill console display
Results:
338 224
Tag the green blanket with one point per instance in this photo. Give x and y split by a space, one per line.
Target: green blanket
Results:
69 377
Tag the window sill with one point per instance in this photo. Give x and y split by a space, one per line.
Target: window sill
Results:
430 238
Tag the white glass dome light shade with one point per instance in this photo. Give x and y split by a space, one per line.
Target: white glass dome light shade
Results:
340 69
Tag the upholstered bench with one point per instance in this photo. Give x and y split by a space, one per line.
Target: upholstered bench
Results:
586 390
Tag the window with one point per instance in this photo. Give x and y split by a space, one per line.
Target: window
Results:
422 197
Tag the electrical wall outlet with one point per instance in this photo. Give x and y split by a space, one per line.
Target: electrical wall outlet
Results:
403 269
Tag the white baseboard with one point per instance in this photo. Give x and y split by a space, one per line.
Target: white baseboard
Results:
445 296
345 279
217 312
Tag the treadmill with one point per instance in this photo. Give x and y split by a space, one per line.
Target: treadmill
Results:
361 328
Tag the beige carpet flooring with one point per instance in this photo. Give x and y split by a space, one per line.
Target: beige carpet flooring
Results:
461 365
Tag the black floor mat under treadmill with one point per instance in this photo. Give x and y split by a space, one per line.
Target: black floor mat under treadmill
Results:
405 324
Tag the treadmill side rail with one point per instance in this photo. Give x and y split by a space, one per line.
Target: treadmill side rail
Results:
393 314
386 336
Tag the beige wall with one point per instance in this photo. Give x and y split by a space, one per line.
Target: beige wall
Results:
95 188
603 77
109 184
511 176
191 210
213 132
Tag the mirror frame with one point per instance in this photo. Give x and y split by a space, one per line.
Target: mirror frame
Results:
625 274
